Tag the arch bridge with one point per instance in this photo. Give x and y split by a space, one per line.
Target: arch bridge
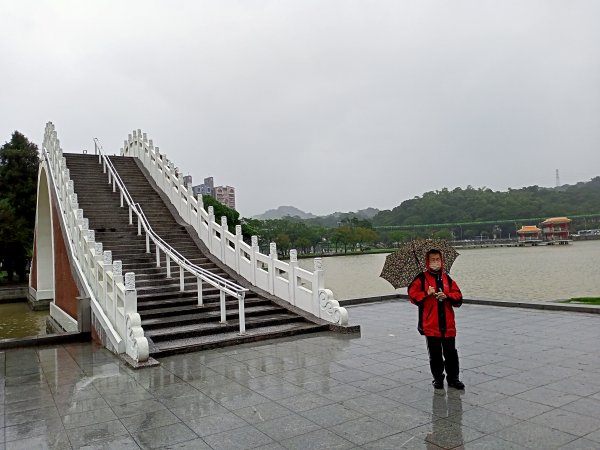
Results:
123 249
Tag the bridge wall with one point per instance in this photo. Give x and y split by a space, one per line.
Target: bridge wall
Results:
51 280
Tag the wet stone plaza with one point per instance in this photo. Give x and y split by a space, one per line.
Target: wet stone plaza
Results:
532 377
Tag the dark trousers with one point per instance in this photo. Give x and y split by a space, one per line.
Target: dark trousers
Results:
443 355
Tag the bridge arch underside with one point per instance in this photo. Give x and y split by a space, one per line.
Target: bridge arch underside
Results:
42 273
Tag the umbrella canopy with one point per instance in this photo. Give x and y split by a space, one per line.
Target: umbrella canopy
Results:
402 266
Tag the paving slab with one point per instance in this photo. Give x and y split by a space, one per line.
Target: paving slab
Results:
531 375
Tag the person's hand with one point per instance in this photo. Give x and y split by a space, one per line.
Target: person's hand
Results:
431 290
440 295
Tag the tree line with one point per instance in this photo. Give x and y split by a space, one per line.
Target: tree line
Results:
19 161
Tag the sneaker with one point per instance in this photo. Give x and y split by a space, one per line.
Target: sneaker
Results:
438 384
456 384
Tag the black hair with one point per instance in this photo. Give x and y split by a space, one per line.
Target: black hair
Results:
433 251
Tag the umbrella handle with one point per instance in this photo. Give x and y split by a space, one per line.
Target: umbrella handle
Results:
415 255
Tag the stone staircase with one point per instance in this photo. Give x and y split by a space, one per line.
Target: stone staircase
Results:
172 320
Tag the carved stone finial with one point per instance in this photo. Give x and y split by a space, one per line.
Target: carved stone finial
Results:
118 267
238 230
79 214
85 224
254 241
293 255
318 264
91 235
223 221
130 281
145 137
98 248
211 210
107 257
272 248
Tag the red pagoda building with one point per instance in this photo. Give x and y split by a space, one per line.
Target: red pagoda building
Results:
529 235
556 230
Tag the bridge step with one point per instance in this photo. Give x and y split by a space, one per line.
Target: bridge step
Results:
225 339
172 319
187 331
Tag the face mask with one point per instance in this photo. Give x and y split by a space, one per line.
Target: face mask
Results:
435 266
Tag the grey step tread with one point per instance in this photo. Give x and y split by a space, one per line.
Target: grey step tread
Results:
208 315
199 343
211 328
190 305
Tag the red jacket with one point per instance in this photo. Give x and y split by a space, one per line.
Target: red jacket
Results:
436 318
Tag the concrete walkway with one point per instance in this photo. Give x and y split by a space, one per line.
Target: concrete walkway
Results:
533 381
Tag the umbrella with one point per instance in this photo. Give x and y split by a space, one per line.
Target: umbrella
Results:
402 266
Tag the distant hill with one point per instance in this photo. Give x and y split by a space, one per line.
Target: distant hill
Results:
284 211
482 204
328 220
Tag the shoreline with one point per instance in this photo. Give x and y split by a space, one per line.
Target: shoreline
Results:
550 305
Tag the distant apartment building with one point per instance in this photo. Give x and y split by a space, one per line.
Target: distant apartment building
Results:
187 180
206 188
223 194
226 195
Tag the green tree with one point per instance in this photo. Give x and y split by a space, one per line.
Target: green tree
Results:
233 217
19 163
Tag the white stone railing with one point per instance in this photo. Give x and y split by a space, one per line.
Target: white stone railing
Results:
287 281
113 298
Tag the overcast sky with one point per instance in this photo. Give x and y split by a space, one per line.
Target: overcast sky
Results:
324 105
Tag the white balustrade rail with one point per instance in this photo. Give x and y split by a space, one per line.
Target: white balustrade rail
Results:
113 298
225 286
287 281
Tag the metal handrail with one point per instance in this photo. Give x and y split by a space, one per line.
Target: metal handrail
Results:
224 285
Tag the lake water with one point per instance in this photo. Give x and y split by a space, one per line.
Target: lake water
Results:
17 320
506 273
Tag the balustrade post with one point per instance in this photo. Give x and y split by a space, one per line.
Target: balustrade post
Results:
272 257
198 223
242 313
318 283
239 238
168 259
292 276
181 279
157 256
129 287
106 267
200 296
117 278
211 220
255 249
222 304
223 239
147 242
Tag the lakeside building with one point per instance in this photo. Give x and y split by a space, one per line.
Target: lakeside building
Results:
529 235
556 230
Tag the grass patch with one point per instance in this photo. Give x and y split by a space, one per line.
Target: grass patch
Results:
585 300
